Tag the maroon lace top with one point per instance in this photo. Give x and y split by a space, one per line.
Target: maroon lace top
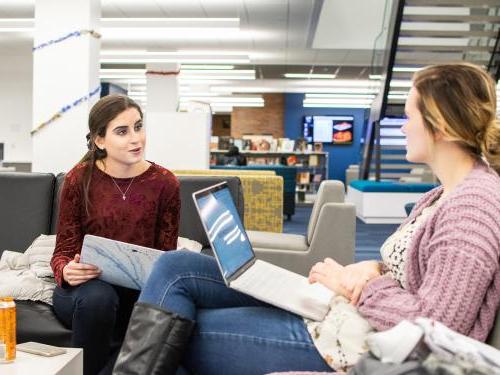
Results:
149 216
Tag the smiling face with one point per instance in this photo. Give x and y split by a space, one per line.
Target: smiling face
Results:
419 140
125 139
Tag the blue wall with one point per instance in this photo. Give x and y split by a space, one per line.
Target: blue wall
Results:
340 156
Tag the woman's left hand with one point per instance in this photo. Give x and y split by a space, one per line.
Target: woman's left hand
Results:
355 276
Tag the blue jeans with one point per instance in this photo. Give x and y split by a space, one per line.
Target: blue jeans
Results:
235 333
98 313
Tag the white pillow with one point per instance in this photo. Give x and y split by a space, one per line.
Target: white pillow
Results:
186 243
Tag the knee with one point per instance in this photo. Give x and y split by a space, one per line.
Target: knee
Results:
175 262
97 297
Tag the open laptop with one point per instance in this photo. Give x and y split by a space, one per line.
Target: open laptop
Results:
121 263
240 268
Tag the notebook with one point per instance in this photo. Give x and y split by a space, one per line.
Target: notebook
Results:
121 263
242 271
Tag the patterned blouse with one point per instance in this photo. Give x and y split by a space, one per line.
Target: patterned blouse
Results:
394 248
340 337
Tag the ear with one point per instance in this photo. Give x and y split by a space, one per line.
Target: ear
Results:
99 142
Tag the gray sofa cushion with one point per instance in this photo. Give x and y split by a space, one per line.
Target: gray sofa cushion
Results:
55 204
190 225
26 207
37 322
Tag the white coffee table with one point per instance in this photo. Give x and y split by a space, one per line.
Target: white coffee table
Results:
70 363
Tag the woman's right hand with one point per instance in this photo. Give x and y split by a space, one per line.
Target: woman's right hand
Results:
76 273
356 276
329 274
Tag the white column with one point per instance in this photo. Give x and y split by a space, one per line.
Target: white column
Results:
176 140
63 73
162 89
16 91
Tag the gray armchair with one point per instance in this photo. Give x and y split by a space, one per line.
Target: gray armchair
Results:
330 233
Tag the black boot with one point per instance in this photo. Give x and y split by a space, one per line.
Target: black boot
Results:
154 343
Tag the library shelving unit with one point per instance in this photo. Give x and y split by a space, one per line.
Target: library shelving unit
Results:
312 167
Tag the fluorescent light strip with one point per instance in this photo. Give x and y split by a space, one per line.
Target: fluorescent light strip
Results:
180 23
307 105
375 76
208 67
171 53
169 19
172 60
222 99
310 76
354 96
184 77
216 71
188 73
121 76
337 101
305 89
16 29
197 94
400 83
403 69
122 71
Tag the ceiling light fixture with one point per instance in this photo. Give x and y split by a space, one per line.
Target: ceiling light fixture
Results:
209 67
118 25
405 69
315 105
344 95
181 60
309 75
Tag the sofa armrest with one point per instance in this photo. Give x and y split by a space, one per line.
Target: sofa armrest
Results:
335 232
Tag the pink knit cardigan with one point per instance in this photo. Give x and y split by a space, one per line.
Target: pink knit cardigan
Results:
452 267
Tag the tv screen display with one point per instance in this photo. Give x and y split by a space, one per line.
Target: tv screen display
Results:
328 129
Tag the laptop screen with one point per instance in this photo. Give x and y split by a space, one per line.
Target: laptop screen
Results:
225 230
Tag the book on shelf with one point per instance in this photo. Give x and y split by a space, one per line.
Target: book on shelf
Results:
303 177
301 145
214 142
225 142
287 145
313 160
238 143
317 178
246 144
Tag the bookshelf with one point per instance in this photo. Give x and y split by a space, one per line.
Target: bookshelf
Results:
312 167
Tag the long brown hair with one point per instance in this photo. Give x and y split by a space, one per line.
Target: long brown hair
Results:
459 101
104 111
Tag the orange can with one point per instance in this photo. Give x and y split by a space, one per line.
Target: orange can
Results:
7 330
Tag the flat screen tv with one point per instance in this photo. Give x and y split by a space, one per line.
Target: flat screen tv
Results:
328 129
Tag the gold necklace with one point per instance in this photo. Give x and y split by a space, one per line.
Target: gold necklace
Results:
124 194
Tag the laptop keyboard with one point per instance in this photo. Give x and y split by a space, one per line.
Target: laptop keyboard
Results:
270 281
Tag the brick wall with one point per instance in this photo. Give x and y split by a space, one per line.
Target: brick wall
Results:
221 125
265 120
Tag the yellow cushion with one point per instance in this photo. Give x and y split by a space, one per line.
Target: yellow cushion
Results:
262 194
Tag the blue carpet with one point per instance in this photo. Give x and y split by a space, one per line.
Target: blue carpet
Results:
369 237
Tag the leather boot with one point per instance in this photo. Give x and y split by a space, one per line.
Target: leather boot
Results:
154 343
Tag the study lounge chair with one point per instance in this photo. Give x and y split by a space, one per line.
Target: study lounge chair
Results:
330 233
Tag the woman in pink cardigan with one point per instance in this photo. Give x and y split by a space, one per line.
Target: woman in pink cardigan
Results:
442 262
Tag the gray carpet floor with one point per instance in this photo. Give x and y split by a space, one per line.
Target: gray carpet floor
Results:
369 237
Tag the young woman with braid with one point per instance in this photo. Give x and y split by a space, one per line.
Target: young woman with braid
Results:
114 193
442 262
